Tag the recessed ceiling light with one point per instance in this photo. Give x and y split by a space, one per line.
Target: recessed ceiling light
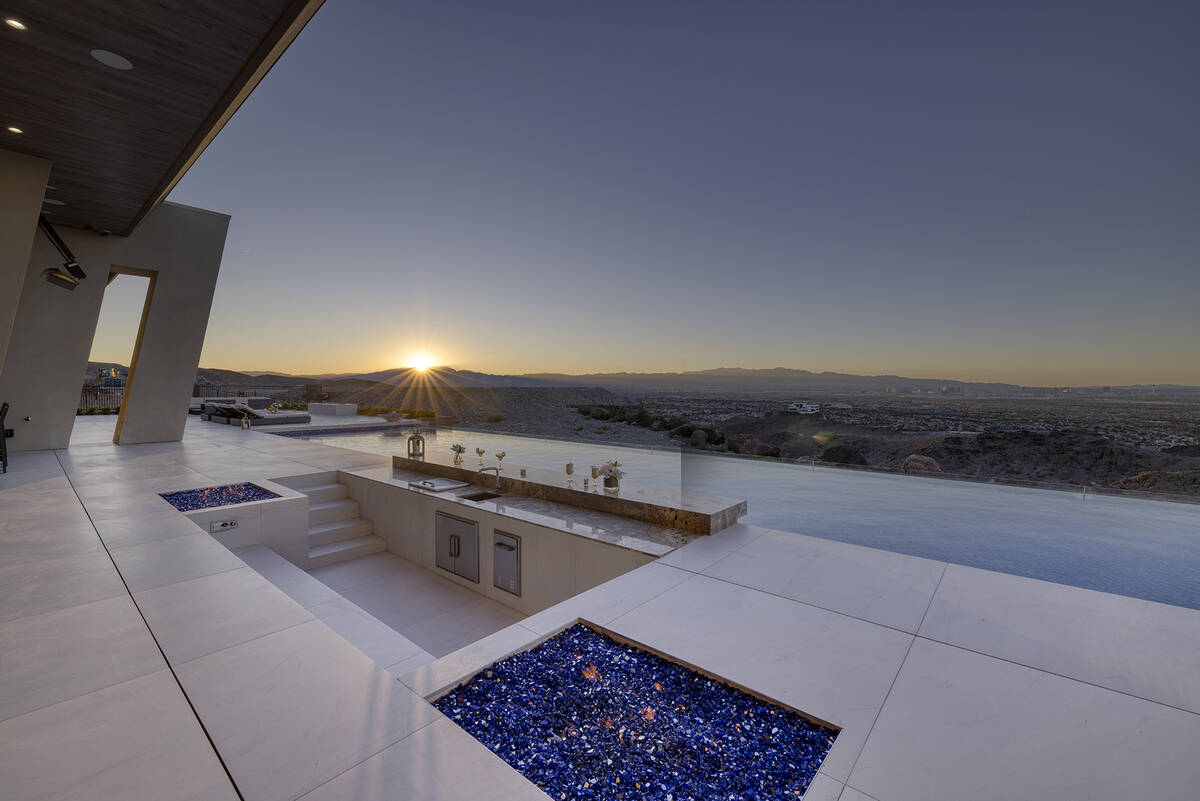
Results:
14 129
53 202
14 23
110 59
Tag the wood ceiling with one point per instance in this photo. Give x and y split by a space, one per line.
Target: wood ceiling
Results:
120 139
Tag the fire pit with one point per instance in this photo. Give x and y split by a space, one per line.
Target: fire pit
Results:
586 717
208 497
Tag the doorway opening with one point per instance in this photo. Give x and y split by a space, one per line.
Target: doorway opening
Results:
112 364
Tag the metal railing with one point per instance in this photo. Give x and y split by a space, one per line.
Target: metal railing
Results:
292 393
93 395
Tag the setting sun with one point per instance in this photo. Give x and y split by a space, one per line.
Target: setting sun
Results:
421 361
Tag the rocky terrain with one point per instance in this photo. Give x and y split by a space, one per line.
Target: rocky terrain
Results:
1149 447
531 411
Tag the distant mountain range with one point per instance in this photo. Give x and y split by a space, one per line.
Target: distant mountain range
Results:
721 379
778 379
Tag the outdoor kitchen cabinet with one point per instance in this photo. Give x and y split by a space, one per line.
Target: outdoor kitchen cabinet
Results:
457 545
506 562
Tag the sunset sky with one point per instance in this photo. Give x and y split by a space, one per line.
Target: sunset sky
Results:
981 191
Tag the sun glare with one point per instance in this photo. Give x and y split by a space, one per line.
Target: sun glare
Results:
421 361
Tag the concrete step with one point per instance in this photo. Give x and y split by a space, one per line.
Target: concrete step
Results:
338 530
329 511
335 552
323 493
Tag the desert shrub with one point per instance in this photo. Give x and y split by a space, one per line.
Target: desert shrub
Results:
78 410
423 413
91 410
495 418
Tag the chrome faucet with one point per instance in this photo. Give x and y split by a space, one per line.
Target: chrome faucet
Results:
497 469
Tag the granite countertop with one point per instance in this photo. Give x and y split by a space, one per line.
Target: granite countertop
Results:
693 512
622 532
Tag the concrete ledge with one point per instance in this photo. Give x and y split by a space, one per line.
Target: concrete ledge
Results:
336 409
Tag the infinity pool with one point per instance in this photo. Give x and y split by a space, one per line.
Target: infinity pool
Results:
1129 546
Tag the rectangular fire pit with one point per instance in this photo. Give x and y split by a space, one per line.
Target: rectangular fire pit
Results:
586 717
208 497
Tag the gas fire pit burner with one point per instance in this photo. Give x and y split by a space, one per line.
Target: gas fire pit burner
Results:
586 717
208 497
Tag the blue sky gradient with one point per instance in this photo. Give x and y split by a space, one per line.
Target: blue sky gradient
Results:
1001 191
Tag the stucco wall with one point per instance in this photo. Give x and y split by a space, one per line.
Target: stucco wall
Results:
53 332
22 187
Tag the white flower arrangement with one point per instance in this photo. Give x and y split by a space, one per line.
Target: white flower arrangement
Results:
612 469
500 455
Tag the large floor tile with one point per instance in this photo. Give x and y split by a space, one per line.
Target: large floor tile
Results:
298 584
44 507
886 588
126 504
959 726
162 477
29 467
354 572
155 564
404 599
293 709
1147 649
122 532
440 762
430 679
35 587
56 656
824 788
35 543
378 641
609 600
453 629
405 666
202 615
702 552
135 740
830 666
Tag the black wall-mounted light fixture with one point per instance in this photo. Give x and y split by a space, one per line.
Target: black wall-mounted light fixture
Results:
70 274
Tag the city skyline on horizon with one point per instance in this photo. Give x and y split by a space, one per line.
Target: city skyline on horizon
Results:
976 193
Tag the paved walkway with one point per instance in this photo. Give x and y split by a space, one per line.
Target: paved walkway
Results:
141 659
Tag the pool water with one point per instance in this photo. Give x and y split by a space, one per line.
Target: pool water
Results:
1130 546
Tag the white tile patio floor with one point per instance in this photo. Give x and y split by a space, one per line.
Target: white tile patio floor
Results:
948 682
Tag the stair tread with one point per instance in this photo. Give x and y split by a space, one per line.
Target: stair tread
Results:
346 545
331 504
319 487
334 525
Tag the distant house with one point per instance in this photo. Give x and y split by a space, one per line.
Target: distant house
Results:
111 378
804 407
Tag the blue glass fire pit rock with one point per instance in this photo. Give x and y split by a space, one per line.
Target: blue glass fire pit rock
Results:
585 717
207 497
